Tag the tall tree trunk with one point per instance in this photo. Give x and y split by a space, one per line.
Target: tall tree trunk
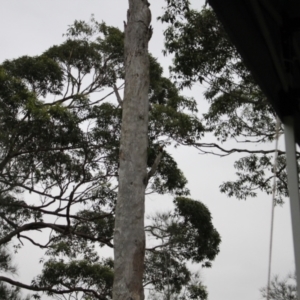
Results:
129 236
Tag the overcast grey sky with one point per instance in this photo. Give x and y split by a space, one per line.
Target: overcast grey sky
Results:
29 27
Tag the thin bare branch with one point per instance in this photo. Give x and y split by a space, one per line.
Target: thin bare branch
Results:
116 90
200 147
49 289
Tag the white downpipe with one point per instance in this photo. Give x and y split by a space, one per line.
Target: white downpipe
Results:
293 187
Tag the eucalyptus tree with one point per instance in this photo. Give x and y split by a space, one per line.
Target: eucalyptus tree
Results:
129 238
238 110
60 126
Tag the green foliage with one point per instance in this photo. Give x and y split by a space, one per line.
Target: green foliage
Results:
59 144
281 289
100 225
169 177
256 170
174 10
185 235
91 48
41 73
7 293
197 236
197 291
6 261
193 290
96 276
178 282
163 270
203 52
238 110
196 43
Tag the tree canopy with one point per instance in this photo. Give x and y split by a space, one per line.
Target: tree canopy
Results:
238 110
59 145
60 134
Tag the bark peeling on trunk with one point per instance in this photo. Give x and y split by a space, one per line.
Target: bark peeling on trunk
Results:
129 236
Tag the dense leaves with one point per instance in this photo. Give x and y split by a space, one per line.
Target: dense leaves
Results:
41 74
7 293
184 235
60 123
97 278
199 239
238 110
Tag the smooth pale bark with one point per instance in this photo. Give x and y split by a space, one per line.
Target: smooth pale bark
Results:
129 236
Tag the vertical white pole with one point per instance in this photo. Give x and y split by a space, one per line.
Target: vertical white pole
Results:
293 186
